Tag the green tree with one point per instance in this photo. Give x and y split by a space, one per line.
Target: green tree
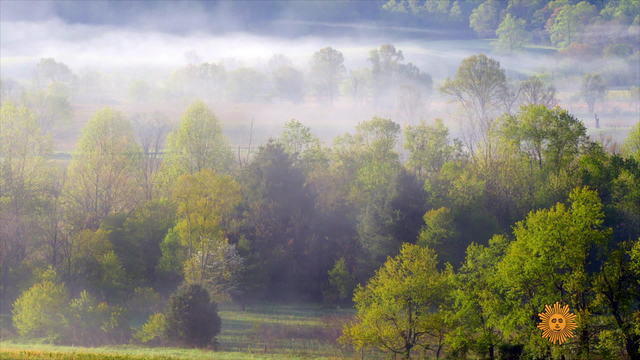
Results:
39 311
618 289
25 189
439 233
327 69
205 202
103 174
477 306
341 280
631 145
512 34
397 311
429 148
197 144
485 18
549 261
552 138
568 21
192 318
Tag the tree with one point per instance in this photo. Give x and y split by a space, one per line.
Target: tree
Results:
478 86
24 193
477 308
301 144
39 311
568 21
192 318
341 280
549 261
618 289
287 82
197 144
397 308
205 202
484 19
631 146
103 174
151 131
439 233
592 90
512 34
429 148
550 137
276 236
534 91
327 68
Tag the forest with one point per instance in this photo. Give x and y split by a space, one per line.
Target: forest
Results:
409 179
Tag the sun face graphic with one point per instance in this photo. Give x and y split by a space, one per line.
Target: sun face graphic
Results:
557 323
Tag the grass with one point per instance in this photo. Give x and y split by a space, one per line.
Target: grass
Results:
264 331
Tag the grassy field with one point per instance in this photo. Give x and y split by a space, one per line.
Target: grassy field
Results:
260 332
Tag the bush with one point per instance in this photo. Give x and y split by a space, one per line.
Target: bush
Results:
153 330
192 318
39 311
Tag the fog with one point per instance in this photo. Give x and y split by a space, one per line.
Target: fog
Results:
148 44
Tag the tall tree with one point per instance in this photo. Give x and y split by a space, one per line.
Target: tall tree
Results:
549 261
485 18
23 191
197 144
327 69
478 86
512 34
592 90
397 310
104 172
568 22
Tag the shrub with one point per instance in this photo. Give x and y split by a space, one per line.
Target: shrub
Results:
153 330
192 318
39 311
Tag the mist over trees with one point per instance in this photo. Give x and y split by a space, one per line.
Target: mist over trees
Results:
447 212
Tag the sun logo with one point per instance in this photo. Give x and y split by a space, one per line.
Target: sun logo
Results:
557 323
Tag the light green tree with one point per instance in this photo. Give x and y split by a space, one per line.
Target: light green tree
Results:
197 144
39 311
631 145
397 310
569 22
485 18
103 176
205 202
429 148
548 262
512 34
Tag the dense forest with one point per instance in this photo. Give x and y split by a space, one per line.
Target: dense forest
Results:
446 208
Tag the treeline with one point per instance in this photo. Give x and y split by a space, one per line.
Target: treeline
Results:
101 241
583 28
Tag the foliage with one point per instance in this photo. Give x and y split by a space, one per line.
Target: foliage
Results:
197 144
484 19
192 318
341 280
103 177
397 309
39 311
512 34
153 330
